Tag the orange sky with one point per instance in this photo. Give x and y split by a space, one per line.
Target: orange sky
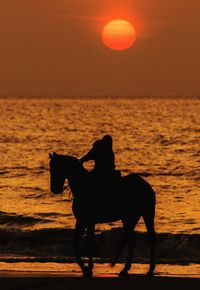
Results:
53 47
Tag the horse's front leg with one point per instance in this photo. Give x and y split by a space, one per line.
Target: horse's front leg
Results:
90 246
78 233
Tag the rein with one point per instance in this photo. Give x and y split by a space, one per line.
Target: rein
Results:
67 188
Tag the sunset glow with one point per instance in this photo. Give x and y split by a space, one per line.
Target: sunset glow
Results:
119 34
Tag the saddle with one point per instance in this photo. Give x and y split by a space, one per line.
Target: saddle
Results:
105 192
106 181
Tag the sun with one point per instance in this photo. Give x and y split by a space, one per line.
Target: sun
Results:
119 34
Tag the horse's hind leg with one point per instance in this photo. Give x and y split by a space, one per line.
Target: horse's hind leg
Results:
90 245
149 222
123 243
130 238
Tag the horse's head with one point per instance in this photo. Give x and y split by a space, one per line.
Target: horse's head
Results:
61 168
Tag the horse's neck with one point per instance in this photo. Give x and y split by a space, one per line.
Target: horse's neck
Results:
77 181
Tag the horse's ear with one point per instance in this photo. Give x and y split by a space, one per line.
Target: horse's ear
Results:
51 155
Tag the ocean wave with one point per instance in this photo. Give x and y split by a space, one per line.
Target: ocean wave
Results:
6 169
147 174
14 220
4 172
16 140
56 245
51 214
34 192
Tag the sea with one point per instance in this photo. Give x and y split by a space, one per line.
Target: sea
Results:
155 137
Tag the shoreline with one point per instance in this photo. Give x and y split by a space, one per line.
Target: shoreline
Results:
78 275
24 269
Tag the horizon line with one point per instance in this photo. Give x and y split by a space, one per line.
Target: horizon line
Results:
100 96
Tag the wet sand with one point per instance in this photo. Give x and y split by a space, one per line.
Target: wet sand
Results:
57 281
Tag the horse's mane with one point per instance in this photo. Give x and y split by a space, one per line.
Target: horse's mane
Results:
75 162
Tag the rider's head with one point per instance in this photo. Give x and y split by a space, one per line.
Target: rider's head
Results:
107 139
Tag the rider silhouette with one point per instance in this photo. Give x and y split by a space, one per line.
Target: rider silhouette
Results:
103 155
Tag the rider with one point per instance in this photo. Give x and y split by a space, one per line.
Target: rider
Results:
103 155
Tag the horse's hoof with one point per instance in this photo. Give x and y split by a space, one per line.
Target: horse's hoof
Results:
124 274
87 272
150 274
113 263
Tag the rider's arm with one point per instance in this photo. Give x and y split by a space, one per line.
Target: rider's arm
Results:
88 156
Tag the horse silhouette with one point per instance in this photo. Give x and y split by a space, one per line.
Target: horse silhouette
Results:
127 199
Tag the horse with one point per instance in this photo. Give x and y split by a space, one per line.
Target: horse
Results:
95 201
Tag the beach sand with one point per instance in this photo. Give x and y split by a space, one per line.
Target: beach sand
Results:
58 281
